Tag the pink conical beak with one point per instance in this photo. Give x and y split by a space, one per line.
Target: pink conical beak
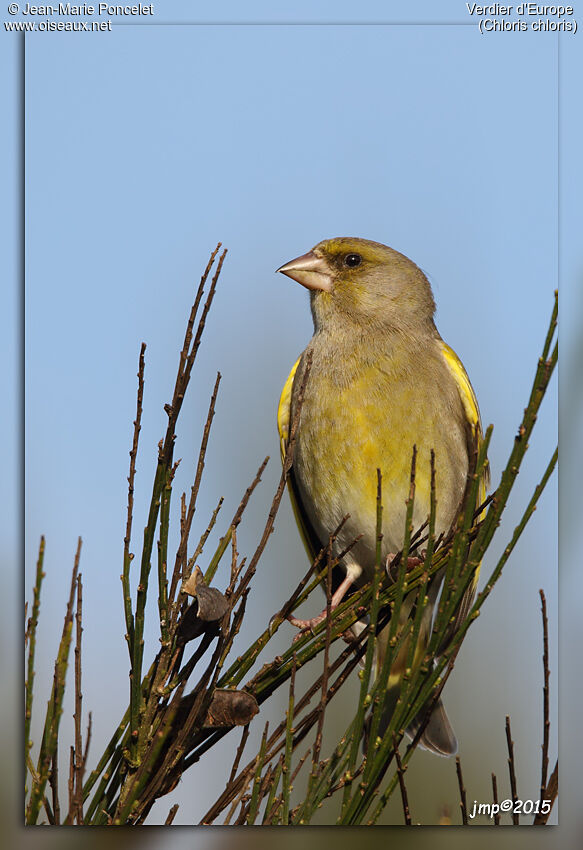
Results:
309 270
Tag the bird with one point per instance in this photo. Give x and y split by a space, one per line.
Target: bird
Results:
380 382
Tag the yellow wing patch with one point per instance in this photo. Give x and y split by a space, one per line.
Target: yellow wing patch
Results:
309 538
466 390
469 402
283 410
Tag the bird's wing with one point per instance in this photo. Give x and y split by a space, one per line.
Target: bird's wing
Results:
283 410
466 391
472 413
470 405
309 537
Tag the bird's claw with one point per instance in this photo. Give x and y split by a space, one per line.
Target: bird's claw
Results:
305 625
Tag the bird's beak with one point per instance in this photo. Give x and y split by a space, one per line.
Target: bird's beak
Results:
309 270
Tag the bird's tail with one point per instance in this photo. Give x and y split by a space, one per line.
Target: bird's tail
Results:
437 736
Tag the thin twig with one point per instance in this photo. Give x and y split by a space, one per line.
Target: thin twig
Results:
183 513
289 733
401 774
181 552
299 765
171 814
495 800
71 782
47 806
111 752
204 536
31 637
273 805
77 812
162 548
239 753
461 786
87 742
550 794
54 786
188 353
512 771
255 793
546 712
238 798
234 558
127 556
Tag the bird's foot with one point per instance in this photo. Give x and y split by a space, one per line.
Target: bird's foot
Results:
413 562
310 625
349 636
391 571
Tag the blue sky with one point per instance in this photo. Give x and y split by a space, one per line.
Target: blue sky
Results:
147 145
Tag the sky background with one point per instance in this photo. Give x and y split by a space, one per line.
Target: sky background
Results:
146 146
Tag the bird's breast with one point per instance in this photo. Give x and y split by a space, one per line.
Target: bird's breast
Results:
349 428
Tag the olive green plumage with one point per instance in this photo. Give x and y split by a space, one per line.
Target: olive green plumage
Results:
381 381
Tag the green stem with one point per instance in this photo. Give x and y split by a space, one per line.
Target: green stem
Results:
50 739
136 703
364 699
286 769
31 632
163 561
254 804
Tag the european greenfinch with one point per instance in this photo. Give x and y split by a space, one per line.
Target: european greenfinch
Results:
381 381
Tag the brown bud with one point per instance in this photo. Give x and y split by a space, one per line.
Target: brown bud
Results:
231 708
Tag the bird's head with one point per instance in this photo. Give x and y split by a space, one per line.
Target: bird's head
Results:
362 281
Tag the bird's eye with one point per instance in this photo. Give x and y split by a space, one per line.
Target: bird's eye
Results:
352 260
